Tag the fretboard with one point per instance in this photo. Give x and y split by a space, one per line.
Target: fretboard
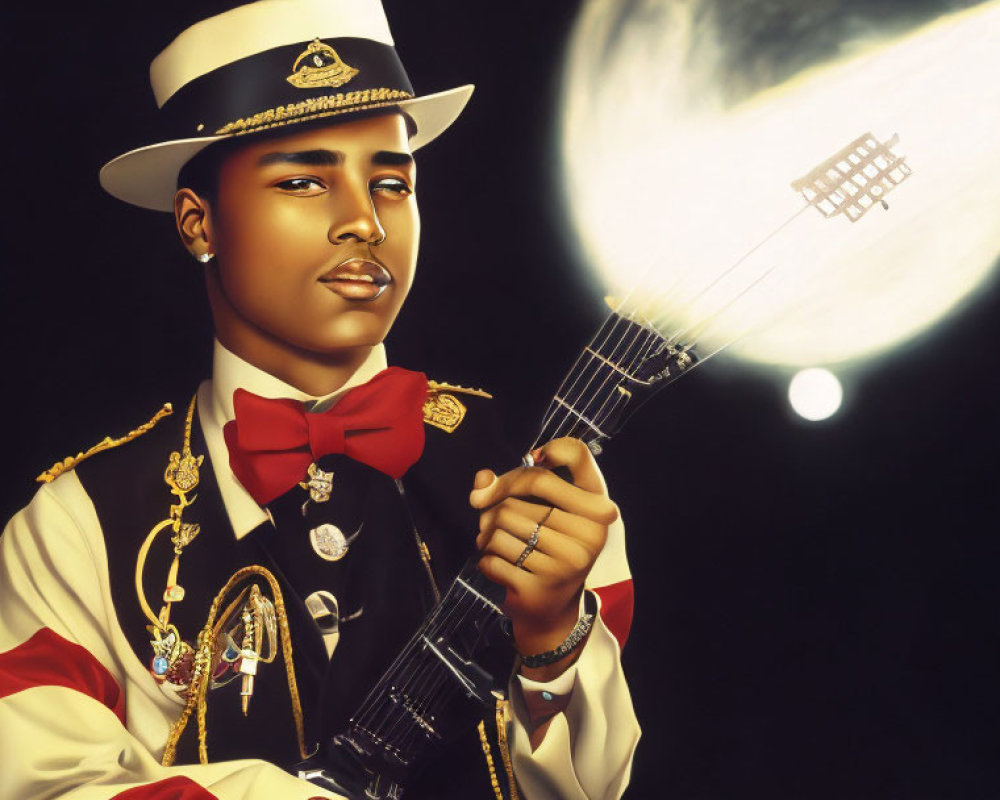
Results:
625 358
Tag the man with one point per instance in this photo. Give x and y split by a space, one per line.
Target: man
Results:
330 485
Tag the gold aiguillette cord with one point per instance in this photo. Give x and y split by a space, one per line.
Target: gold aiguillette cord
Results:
181 475
197 698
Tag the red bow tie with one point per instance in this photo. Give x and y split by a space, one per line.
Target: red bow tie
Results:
380 423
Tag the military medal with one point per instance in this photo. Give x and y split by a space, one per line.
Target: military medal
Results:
246 636
319 485
329 541
167 647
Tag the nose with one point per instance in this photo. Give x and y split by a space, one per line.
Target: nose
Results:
354 217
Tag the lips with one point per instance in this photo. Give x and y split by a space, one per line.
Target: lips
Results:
357 279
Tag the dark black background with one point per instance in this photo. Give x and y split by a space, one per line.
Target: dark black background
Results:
816 604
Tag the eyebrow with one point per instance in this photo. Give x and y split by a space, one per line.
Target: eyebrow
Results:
312 158
332 158
389 158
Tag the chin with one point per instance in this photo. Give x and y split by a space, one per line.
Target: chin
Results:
352 330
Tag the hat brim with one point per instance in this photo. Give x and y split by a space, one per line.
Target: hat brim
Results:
147 176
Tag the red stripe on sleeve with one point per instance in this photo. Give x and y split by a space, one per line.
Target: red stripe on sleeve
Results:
47 659
617 604
176 788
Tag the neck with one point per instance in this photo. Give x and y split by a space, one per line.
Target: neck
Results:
315 374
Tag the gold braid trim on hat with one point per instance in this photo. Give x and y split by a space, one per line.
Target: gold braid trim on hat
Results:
106 443
314 108
197 698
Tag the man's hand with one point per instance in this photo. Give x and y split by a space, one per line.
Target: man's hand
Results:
543 594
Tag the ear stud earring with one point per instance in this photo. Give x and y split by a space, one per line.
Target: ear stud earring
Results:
204 258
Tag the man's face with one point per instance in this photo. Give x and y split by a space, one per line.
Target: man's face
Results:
315 235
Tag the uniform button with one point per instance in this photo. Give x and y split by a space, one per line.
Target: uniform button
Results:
546 695
324 610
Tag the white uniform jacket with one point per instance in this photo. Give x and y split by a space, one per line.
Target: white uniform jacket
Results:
81 718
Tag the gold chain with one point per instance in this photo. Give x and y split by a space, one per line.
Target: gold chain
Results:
485 743
504 748
197 698
181 475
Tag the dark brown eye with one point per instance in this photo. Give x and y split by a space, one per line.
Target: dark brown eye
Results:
394 186
301 185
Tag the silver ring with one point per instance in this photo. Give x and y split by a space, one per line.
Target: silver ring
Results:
532 542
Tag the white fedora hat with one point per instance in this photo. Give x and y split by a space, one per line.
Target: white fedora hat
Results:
264 65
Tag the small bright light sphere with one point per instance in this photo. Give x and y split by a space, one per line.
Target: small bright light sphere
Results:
815 393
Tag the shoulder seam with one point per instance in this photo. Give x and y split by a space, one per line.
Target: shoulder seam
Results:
107 443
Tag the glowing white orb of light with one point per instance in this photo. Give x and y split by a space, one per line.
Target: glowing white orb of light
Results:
667 186
815 393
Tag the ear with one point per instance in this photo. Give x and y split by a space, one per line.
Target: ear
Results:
194 223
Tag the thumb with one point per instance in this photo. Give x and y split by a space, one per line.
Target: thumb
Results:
577 458
481 488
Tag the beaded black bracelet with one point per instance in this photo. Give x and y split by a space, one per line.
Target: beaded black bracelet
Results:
577 635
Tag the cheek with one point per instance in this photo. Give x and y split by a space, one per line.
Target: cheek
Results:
404 231
259 249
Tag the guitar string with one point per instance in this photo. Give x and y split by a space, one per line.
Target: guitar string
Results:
441 681
419 687
439 674
594 360
364 714
674 338
671 339
627 364
415 692
639 329
432 630
611 397
609 376
732 267
705 325
474 603
572 376
702 325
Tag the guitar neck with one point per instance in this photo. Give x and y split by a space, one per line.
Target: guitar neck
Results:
625 362
437 677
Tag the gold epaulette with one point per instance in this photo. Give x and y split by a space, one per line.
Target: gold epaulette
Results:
106 443
435 386
442 409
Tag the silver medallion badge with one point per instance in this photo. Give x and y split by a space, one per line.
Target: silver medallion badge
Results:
329 541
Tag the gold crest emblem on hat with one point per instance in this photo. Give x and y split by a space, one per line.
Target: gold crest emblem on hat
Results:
319 65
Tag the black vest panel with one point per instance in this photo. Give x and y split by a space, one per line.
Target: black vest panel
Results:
382 577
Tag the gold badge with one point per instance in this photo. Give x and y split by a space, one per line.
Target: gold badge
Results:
320 484
444 411
319 65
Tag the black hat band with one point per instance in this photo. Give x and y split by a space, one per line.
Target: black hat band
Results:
288 84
